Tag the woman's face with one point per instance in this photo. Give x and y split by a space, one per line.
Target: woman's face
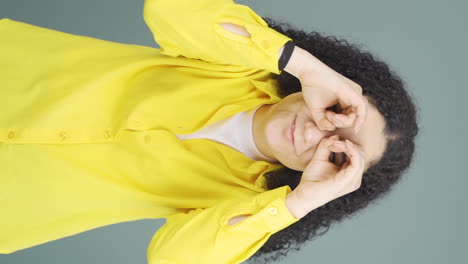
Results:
272 124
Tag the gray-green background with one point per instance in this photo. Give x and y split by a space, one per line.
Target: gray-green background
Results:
421 221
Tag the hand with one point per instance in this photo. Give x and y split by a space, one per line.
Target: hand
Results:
322 87
322 181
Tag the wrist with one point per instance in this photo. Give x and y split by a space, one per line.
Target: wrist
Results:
295 206
301 61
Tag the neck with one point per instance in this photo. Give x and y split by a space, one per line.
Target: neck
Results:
260 121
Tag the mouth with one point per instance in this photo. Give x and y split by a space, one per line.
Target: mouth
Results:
291 132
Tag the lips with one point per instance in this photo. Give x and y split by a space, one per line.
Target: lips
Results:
291 131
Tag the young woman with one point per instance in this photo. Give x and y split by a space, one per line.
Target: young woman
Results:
247 137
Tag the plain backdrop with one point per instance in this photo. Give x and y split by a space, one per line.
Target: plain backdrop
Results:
421 221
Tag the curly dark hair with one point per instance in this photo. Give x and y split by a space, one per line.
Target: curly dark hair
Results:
386 91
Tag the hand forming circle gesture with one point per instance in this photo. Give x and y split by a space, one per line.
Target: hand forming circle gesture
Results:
322 87
323 181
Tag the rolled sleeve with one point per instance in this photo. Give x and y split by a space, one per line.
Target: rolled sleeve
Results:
204 236
193 29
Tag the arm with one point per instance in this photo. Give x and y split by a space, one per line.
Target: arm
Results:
299 58
204 235
294 205
193 29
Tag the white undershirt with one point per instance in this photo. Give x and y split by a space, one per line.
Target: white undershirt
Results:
235 132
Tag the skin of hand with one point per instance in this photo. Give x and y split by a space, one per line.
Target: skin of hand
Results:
323 87
322 181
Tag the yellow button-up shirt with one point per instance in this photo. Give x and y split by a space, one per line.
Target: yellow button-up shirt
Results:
87 133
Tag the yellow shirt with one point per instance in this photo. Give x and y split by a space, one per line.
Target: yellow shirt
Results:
87 133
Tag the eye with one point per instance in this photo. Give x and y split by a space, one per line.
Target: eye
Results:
336 108
340 158
334 156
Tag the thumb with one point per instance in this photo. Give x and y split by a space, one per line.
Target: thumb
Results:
322 121
319 167
323 150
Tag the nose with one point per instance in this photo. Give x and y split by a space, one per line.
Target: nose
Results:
313 135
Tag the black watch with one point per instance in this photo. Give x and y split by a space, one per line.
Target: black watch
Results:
286 55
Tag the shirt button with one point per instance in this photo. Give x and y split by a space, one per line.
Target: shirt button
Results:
11 134
107 133
273 211
63 135
265 44
147 139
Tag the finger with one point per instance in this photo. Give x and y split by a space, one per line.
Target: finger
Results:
356 180
348 120
341 120
354 98
354 103
325 124
354 155
324 148
320 118
360 106
354 166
